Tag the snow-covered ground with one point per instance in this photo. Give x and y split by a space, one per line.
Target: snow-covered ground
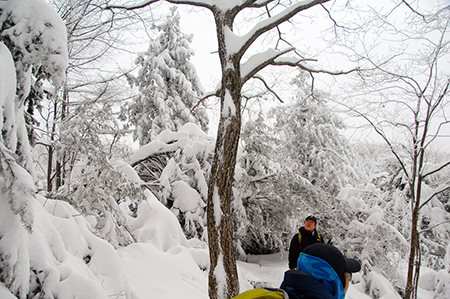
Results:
177 278
70 262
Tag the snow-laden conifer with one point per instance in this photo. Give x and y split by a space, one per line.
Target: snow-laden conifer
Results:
168 84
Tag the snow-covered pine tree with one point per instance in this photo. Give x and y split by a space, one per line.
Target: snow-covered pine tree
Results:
16 188
311 131
295 168
318 155
46 248
26 39
168 84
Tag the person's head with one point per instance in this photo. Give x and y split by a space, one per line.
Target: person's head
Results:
342 266
310 223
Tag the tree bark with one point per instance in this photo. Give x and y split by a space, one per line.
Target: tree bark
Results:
220 227
414 252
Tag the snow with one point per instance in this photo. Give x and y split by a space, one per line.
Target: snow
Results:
168 141
163 274
5 293
229 109
381 288
38 21
7 86
186 198
68 261
259 59
73 263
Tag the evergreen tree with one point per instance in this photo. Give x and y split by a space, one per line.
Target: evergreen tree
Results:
168 84
38 42
312 139
291 169
27 39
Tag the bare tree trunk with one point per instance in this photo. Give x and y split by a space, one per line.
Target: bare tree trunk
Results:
414 263
220 226
59 172
49 169
413 266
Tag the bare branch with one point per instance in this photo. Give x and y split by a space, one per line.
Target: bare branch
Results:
212 94
268 87
439 191
333 20
384 137
434 226
437 169
415 11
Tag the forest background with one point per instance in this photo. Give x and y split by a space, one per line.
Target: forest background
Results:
69 135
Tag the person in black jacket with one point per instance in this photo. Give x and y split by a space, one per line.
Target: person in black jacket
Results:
323 272
306 236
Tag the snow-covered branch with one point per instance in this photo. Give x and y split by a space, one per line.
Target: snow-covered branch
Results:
259 3
259 61
205 3
273 22
294 61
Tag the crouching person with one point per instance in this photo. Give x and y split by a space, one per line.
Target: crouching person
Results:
323 272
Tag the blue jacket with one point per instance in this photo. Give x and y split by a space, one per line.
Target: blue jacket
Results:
300 285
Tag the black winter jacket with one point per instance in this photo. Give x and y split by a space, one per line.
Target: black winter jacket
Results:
295 248
300 285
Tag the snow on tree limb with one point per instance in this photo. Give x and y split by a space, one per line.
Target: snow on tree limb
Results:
274 21
224 5
146 3
294 61
259 61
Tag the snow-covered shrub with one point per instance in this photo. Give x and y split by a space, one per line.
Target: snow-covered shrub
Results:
443 278
99 188
370 236
67 260
175 167
433 217
261 214
16 222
